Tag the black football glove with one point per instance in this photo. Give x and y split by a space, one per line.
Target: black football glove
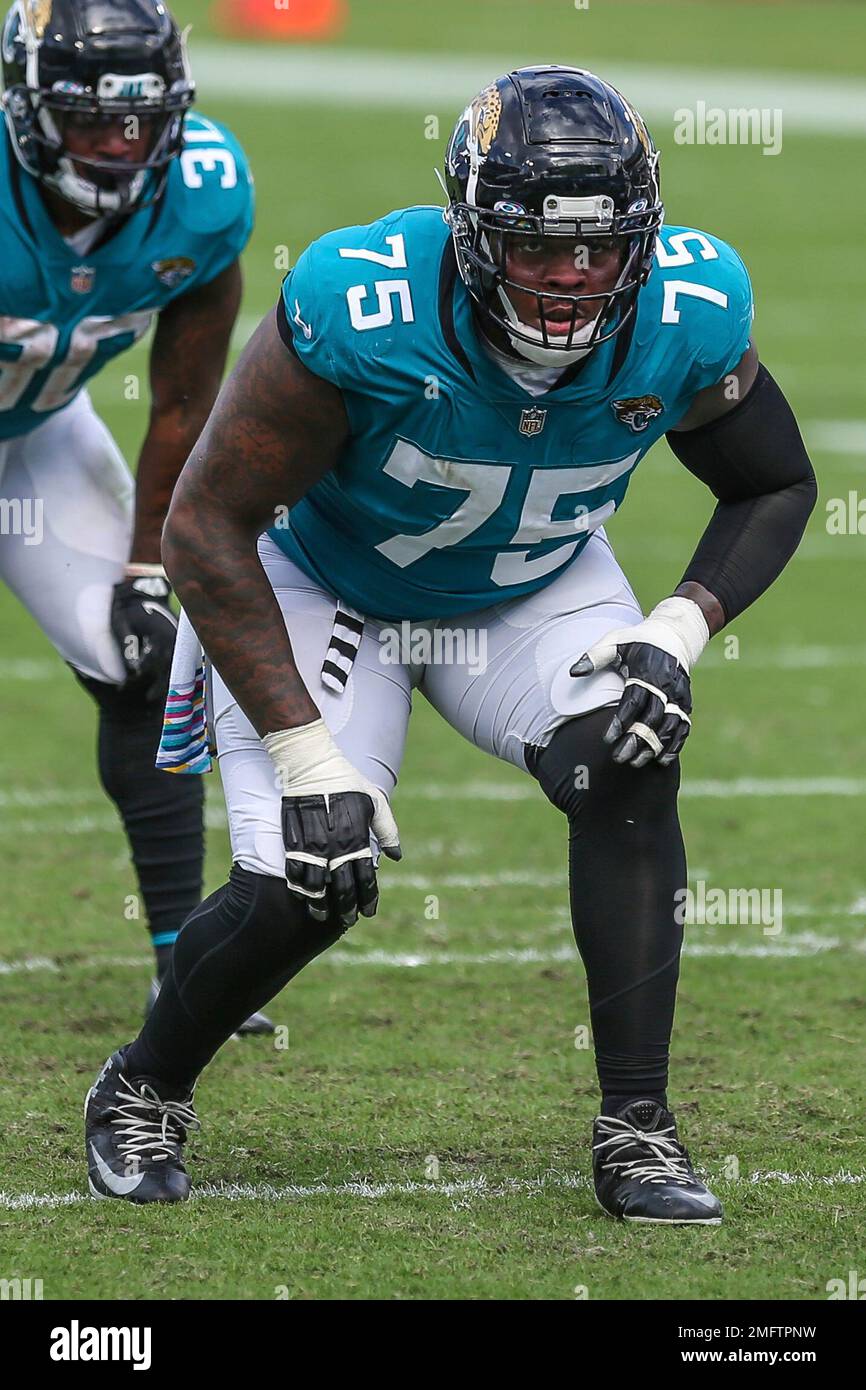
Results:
144 628
329 862
329 812
653 717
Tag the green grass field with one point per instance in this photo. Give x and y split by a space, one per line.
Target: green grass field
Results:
423 1134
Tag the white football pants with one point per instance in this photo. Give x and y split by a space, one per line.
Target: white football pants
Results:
499 676
66 515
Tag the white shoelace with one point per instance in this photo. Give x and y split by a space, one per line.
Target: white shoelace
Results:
664 1161
150 1128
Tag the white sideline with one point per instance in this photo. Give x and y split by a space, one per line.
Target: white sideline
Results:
372 1191
441 84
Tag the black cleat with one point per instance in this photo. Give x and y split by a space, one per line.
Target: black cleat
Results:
643 1173
134 1138
256 1023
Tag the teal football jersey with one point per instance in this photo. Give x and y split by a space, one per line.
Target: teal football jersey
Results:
64 314
456 488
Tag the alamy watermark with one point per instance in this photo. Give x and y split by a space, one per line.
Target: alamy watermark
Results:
846 516
854 1287
411 644
20 1290
738 125
22 516
729 907
77 1343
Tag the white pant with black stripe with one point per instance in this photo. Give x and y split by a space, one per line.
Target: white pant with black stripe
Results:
499 676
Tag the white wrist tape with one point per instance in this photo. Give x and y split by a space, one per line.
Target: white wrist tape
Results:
309 763
678 626
136 570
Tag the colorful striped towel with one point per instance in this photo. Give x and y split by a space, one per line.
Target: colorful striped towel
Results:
185 742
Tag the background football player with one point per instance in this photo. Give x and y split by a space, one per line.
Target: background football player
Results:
116 208
451 410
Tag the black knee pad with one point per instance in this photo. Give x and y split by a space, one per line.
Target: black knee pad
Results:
255 924
276 905
577 773
235 953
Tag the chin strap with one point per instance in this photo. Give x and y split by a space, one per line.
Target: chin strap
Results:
536 351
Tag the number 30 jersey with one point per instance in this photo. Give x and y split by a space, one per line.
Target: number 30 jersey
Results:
65 313
456 488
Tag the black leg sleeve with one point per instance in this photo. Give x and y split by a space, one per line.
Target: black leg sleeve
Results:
626 863
237 950
162 813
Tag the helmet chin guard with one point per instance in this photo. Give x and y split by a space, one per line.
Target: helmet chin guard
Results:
552 152
528 342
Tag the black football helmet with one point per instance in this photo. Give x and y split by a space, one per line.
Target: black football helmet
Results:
95 61
552 152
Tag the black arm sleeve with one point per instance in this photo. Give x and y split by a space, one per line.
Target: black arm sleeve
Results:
755 463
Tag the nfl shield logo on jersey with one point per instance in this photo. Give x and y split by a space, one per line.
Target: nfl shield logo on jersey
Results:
532 420
82 278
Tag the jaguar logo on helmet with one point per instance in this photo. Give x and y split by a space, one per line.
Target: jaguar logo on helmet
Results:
486 111
638 411
37 14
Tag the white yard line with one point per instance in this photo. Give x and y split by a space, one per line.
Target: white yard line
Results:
480 1187
788 945
712 788
43 669
771 788
30 965
837 436
442 84
34 799
788 658
718 789
23 799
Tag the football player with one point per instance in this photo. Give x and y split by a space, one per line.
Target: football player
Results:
117 208
431 429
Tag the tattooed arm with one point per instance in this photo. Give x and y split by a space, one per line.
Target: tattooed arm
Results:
187 362
275 430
